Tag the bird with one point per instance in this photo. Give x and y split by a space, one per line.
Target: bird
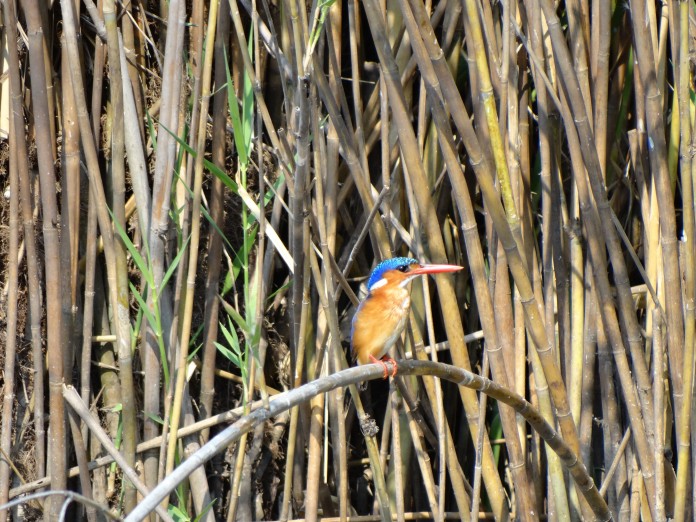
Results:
382 315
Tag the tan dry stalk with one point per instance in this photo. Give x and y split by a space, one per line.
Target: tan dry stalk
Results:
475 256
597 254
54 356
10 349
216 209
518 269
188 295
400 452
668 230
80 408
23 190
293 436
485 91
81 455
118 187
456 473
684 417
325 203
659 391
155 238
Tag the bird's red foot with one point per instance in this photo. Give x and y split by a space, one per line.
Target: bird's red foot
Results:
383 361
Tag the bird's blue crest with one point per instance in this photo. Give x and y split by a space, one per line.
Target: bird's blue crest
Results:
386 265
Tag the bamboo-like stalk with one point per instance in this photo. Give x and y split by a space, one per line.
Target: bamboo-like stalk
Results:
57 435
325 204
683 417
137 164
314 457
158 297
81 409
628 318
454 467
397 477
81 455
425 468
32 259
128 29
590 335
88 308
439 412
476 494
526 506
118 186
668 230
91 247
187 317
297 381
499 282
578 30
8 396
70 215
659 390
519 271
611 414
485 90
599 58
48 50
333 25
216 210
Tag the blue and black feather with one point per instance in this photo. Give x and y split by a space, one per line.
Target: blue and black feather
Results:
395 263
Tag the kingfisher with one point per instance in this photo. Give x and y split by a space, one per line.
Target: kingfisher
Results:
382 315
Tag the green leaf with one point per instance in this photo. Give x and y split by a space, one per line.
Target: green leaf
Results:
135 254
234 314
239 141
177 514
205 510
151 319
229 355
159 420
175 263
248 98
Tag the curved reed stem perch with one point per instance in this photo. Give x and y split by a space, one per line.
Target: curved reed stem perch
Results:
294 397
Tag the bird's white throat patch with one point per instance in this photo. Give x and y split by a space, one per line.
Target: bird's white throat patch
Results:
378 284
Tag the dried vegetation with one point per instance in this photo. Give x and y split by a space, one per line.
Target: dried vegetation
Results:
193 193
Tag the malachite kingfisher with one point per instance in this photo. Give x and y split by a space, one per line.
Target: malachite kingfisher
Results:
382 315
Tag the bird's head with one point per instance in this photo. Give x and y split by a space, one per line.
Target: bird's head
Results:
401 271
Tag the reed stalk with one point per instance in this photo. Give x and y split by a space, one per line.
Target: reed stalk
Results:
683 417
8 397
57 435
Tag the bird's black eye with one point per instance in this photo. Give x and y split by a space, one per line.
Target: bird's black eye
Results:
404 268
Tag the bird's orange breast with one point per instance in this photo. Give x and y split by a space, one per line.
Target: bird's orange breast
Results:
379 321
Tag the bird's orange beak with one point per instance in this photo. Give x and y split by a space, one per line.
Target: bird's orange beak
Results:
434 269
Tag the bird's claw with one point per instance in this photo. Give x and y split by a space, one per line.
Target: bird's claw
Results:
383 361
